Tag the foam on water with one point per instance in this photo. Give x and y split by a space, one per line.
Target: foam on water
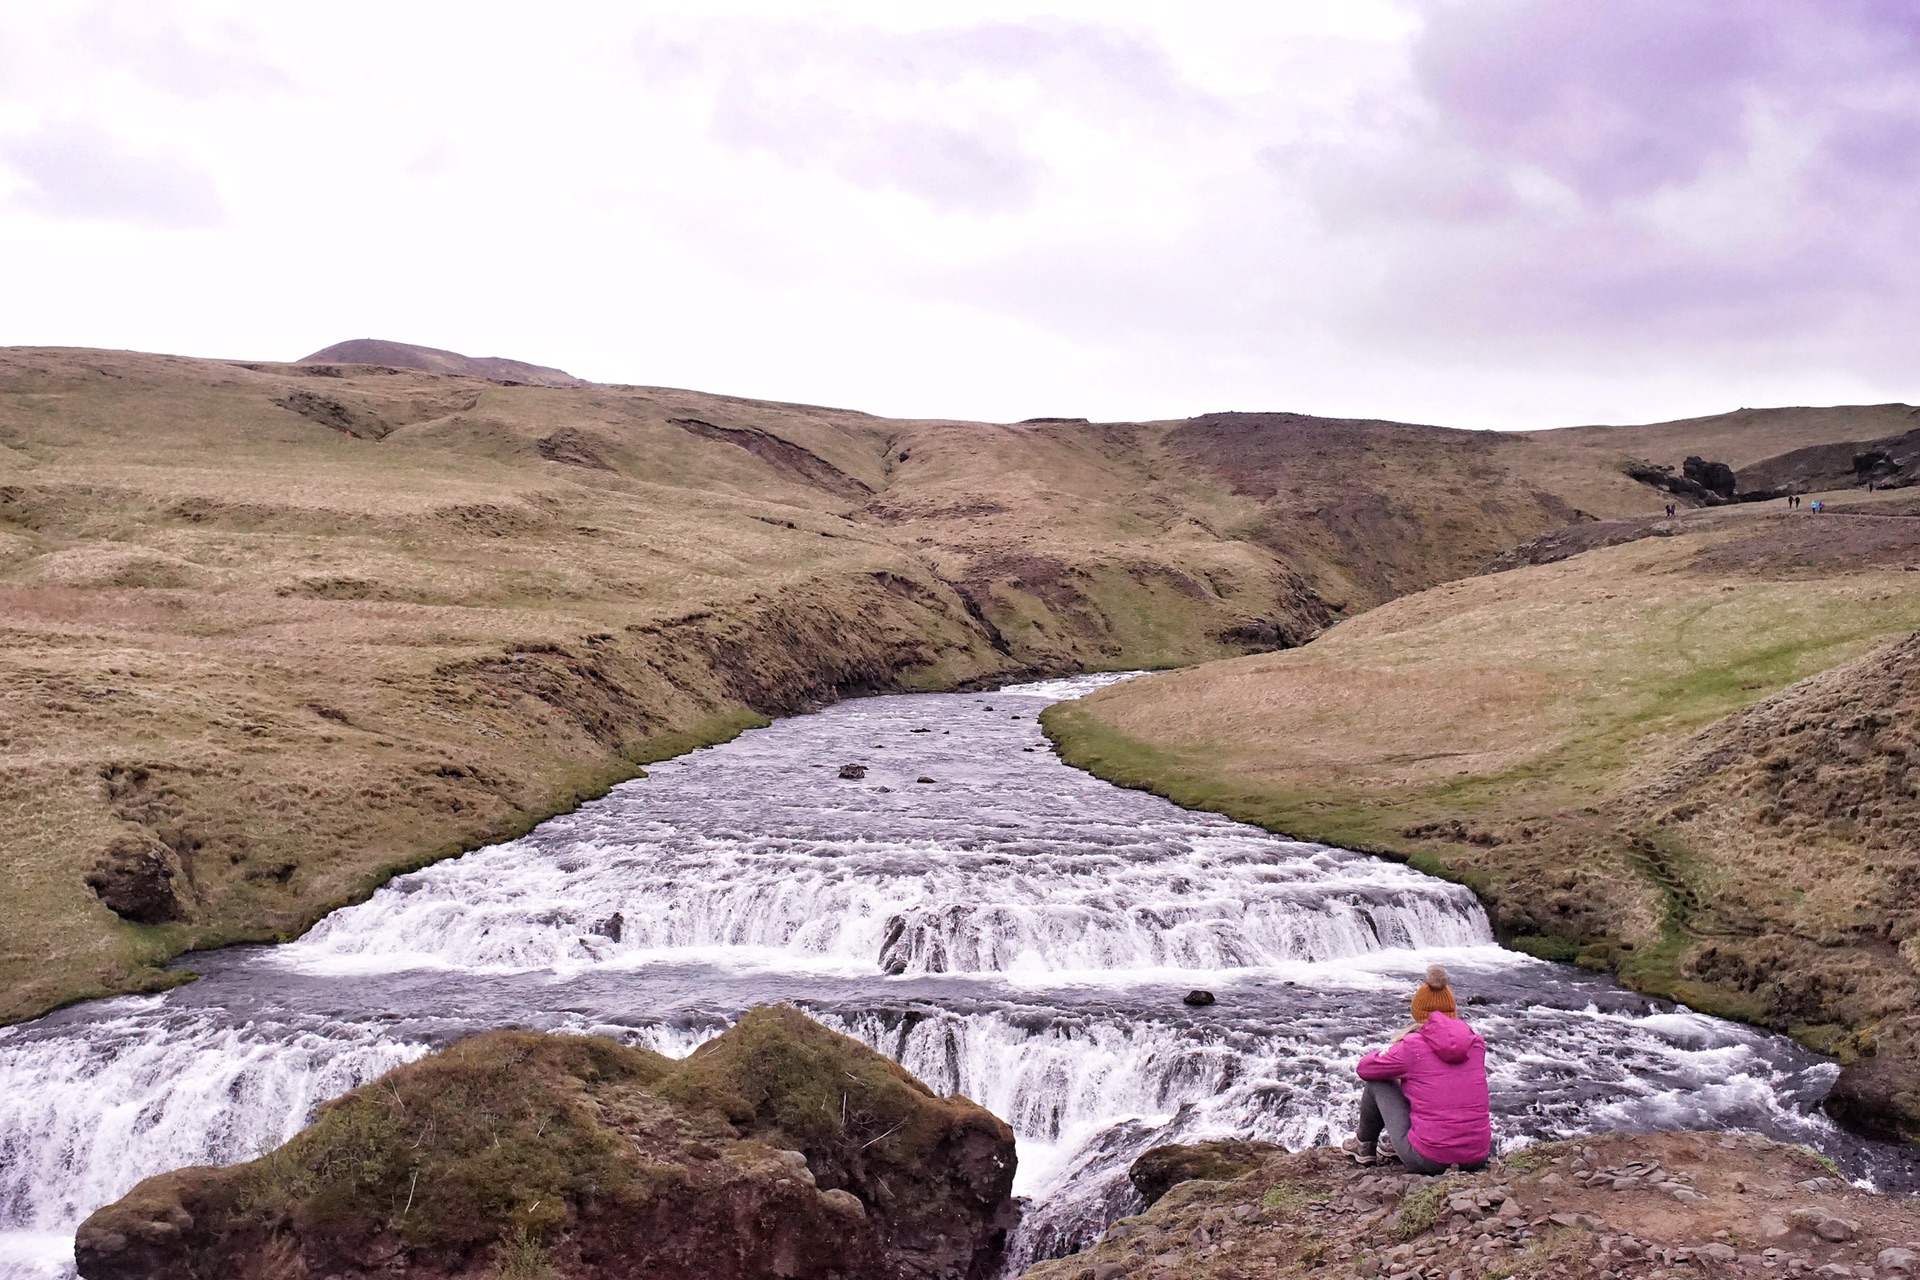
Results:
1013 930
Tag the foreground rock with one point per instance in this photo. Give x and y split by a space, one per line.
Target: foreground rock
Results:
1667 1205
779 1149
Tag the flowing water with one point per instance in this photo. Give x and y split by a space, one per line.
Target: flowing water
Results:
1005 926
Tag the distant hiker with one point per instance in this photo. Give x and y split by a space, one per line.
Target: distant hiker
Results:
1669 511
1428 1094
1434 995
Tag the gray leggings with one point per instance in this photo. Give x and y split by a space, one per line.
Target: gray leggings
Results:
1384 1106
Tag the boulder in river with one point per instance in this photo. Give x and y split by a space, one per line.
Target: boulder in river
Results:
853 772
778 1149
1197 998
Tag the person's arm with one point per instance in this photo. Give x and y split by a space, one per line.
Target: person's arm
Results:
1389 1064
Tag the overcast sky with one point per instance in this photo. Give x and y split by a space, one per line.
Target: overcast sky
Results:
1491 213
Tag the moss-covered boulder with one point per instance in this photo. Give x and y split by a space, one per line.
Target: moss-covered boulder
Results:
1161 1169
780 1149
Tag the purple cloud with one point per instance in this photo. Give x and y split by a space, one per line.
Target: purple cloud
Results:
1637 172
76 170
940 115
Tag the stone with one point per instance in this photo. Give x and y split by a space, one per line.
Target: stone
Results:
1197 998
1905 1261
1159 1170
844 1202
1836 1230
1716 1252
143 881
924 778
853 772
910 1184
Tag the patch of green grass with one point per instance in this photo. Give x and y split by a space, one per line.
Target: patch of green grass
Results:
1547 946
1421 1209
1293 1195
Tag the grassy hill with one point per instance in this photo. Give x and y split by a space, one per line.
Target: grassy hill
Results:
269 633
1683 757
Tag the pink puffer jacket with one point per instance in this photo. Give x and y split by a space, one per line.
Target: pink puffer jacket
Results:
1442 1067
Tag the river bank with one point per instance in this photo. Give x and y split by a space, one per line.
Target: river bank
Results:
1682 760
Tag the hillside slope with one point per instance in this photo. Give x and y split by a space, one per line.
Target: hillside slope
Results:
271 632
1682 757
405 355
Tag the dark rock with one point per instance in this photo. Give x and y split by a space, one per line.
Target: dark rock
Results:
1197 998
853 771
778 1149
1264 635
1879 1097
142 880
923 778
1163 1168
612 927
1714 477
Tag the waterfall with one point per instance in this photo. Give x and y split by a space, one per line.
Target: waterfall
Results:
1012 930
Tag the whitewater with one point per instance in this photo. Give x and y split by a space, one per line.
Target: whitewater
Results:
1004 926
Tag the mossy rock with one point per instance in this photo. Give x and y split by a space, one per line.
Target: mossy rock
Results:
779 1149
1161 1169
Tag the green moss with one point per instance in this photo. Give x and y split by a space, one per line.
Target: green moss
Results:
1547 946
1293 1195
1421 1208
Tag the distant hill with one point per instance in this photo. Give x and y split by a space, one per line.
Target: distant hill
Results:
404 355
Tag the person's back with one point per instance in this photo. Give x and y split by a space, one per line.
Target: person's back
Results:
1441 1067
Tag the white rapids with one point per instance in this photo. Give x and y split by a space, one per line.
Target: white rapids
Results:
1004 926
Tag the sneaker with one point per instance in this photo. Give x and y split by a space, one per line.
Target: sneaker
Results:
1385 1149
1358 1151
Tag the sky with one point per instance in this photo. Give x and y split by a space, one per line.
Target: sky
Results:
1482 213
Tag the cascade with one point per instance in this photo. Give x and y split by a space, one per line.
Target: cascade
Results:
1014 930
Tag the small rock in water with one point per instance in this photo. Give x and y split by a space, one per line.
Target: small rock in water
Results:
923 778
854 771
1197 998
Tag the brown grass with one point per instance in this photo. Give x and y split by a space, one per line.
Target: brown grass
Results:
340 622
1530 733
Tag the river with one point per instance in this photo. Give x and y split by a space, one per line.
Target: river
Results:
1003 925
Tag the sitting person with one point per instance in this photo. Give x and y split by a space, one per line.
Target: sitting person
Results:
1434 994
1428 1091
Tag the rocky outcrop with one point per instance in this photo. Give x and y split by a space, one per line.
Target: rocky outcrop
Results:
142 880
1700 481
1163 1168
1616 1205
780 1149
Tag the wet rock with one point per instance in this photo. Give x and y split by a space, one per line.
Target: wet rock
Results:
1162 1168
1197 998
142 880
853 772
514 1153
1878 1096
924 778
